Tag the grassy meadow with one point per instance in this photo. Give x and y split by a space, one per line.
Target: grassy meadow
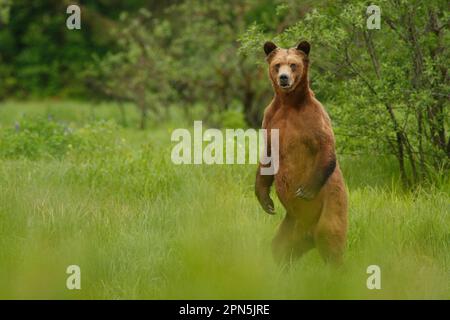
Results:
75 189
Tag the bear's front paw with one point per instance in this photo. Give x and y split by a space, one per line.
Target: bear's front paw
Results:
267 204
305 193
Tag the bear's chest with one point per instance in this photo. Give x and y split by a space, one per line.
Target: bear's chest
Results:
294 137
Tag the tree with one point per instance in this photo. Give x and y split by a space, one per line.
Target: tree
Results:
209 69
194 46
5 6
136 72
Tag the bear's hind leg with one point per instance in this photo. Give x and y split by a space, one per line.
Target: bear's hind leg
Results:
290 242
331 232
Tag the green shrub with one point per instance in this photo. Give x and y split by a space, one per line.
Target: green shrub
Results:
96 139
36 138
233 119
40 137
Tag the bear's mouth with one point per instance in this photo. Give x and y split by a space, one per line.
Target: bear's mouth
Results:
285 86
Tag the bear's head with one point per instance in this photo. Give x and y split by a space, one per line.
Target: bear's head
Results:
287 67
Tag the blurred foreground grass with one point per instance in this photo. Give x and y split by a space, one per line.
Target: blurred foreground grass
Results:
112 202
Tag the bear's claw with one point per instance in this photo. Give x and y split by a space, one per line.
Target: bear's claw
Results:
269 209
268 206
304 193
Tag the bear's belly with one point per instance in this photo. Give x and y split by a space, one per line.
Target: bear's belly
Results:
307 211
296 164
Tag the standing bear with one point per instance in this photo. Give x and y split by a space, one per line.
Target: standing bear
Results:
309 182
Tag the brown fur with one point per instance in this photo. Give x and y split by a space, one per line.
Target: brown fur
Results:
317 215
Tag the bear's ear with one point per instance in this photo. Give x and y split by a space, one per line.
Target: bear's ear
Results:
269 46
304 46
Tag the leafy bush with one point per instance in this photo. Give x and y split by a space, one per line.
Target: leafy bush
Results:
233 119
95 139
39 137
36 138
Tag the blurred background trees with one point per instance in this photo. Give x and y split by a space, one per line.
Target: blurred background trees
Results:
386 90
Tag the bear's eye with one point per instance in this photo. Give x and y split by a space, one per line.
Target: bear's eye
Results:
277 66
293 66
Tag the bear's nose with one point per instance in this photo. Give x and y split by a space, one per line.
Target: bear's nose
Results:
284 79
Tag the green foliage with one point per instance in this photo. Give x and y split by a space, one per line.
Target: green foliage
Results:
386 90
40 57
135 72
232 119
39 137
35 138
175 60
4 11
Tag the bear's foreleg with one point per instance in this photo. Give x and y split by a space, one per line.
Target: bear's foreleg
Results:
262 191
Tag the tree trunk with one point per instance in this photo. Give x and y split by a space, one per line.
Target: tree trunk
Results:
401 160
143 121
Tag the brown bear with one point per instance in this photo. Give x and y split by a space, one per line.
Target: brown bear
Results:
309 182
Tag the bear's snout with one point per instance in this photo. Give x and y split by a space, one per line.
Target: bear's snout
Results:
284 80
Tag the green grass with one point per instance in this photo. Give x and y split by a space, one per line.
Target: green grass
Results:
141 227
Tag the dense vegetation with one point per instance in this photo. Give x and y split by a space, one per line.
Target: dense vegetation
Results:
85 122
387 90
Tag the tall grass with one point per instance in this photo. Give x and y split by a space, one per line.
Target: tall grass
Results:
140 227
